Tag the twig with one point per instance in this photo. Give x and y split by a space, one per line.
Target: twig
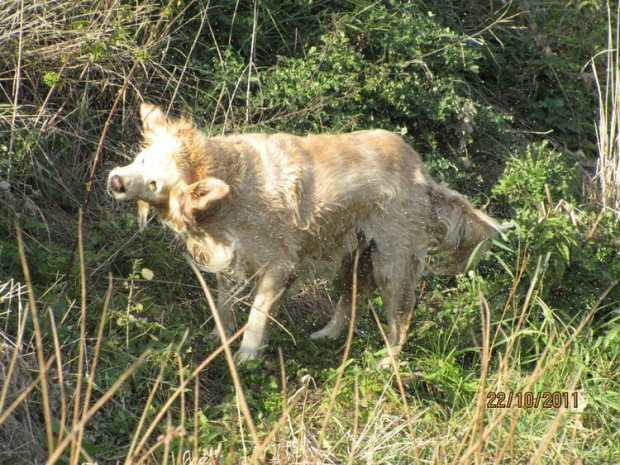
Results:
189 54
52 120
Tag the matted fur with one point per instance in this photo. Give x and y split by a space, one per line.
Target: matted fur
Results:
282 210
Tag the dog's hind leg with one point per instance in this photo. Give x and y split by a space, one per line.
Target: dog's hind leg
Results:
342 314
396 274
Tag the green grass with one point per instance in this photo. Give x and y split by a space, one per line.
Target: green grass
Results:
105 354
127 393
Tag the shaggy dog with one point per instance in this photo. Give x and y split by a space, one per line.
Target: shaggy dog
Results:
282 209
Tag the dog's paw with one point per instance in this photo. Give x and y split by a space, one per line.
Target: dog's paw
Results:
245 355
329 332
390 360
387 362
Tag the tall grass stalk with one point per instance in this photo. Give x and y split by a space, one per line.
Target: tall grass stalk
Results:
137 454
47 415
399 380
608 127
77 405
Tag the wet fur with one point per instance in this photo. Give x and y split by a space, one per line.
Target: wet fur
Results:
283 210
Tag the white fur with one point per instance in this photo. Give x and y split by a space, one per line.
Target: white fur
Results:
152 174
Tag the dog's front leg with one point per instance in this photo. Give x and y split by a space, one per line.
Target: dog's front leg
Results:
271 288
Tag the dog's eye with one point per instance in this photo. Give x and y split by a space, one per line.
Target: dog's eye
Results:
152 185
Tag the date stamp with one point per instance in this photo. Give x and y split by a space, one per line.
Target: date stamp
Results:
529 399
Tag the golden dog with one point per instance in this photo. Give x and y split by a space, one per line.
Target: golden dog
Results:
283 209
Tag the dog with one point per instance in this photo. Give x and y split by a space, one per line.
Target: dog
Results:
283 209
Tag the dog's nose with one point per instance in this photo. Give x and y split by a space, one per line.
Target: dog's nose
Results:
115 184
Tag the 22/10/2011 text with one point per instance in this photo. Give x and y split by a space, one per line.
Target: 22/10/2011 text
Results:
528 399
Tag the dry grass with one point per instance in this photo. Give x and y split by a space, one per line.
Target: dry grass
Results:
19 430
310 428
608 127
49 401
72 47
68 69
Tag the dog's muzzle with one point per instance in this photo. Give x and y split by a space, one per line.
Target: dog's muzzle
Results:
115 184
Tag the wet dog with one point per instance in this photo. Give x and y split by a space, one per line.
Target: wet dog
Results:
283 209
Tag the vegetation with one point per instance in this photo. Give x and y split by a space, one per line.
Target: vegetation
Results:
105 353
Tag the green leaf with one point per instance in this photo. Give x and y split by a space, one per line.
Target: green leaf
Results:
147 274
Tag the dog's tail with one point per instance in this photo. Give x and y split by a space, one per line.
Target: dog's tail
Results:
458 230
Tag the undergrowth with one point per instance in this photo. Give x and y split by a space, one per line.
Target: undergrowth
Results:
105 348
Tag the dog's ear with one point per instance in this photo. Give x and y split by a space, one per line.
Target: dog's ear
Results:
152 118
206 191
201 194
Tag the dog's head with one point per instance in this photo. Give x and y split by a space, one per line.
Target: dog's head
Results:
167 161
